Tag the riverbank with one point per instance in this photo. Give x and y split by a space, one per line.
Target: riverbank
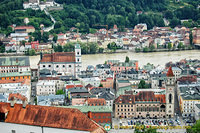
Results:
165 50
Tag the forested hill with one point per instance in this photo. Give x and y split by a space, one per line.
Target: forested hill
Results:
104 5
86 13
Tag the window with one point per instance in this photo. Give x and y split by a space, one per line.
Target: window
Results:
70 66
57 66
63 65
78 60
43 65
49 65
13 131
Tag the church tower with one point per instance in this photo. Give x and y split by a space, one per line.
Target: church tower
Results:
170 90
78 59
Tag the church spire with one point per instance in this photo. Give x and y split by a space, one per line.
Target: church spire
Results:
170 72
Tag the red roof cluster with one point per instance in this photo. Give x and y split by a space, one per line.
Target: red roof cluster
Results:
59 57
45 116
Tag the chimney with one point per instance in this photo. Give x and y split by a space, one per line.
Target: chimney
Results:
90 114
24 103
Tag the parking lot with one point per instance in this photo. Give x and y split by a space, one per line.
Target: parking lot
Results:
149 122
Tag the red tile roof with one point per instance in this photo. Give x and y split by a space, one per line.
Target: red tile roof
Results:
23 81
59 57
170 72
96 101
54 117
16 96
141 96
24 27
72 86
189 78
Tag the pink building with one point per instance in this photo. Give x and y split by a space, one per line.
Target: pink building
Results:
78 101
35 44
108 82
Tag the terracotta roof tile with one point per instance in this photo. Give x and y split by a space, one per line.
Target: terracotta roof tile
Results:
59 57
96 101
55 117
141 96
24 27
73 86
16 96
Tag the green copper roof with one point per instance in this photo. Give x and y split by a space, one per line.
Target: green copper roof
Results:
85 109
198 106
14 61
15 74
77 46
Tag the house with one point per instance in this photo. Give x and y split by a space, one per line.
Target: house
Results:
105 93
94 81
18 37
64 63
118 67
14 68
196 35
18 88
141 27
24 29
99 114
51 100
188 97
108 82
95 102
143 105
16 118
177 72
77 92
45 87
197 111
33 4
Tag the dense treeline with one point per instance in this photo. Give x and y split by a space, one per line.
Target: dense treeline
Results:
11 13
84 14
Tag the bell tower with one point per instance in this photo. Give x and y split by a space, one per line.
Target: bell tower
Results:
78 59
170 90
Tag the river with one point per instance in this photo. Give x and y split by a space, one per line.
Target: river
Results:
156 58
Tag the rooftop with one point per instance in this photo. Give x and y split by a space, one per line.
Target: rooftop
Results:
66 118
14 61
198 105
190 93
59 57
93 109
15 74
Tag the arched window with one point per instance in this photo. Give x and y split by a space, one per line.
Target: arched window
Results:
170 98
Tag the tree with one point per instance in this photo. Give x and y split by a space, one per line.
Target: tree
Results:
152 48
141 84
101 85
145 49
174 22
127 59
101 50
137 49
30 39
55 38
195 128
2 47
169 46
191 39
60 92
32 52
180 45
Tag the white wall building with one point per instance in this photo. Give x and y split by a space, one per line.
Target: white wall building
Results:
45 88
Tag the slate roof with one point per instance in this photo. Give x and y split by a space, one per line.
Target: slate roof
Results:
190 93
66 118
14 61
